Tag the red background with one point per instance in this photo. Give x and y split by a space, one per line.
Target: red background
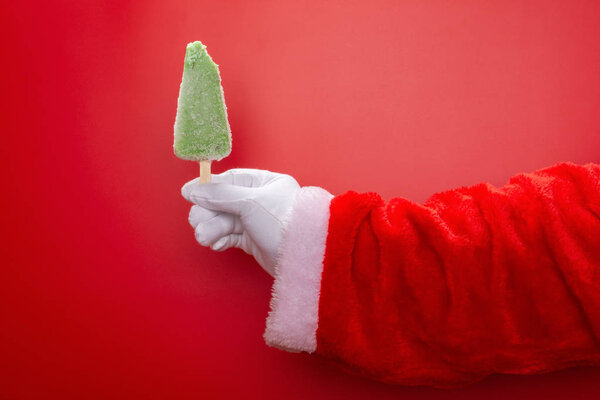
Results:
104 292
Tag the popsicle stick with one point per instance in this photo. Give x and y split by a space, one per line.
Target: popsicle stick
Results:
205 171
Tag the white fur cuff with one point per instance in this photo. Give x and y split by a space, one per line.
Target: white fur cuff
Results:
294 315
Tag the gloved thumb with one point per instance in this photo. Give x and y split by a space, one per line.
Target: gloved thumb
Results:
223 197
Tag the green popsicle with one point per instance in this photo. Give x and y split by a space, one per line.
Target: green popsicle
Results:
202 131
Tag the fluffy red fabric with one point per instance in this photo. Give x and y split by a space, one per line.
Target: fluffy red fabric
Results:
478 280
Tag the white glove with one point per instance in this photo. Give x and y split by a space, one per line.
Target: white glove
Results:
244 208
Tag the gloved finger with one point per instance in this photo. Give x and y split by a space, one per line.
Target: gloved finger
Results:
199 214
229 241
244 177
208 232
222 197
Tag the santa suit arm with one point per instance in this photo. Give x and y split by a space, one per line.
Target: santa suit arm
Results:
477 280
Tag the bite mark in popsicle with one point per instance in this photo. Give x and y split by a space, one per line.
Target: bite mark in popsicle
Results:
202 131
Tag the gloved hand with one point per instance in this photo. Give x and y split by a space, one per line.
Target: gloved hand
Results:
244 208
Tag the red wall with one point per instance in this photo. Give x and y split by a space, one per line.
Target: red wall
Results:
104 292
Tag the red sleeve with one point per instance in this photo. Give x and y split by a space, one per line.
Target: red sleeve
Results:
477 280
